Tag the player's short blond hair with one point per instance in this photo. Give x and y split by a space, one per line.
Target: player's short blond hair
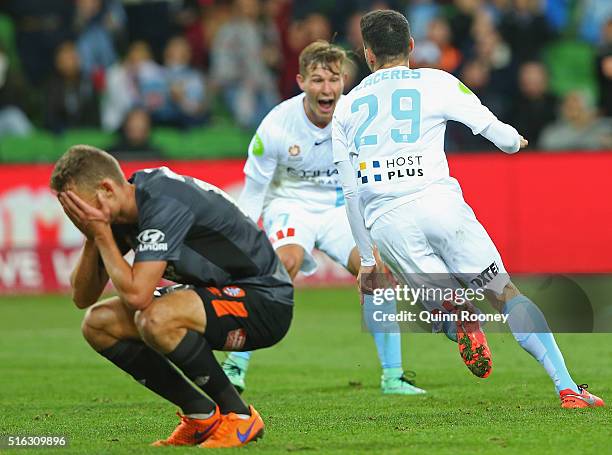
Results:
322 53
85 167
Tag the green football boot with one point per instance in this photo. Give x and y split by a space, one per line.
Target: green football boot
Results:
394 382
235 369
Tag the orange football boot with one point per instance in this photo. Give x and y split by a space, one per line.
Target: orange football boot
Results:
473 345
191 432
234 431
584 399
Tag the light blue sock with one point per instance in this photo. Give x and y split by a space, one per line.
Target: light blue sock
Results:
531 330
241 359
386 334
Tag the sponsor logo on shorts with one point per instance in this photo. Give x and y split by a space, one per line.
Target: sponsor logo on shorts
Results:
235 340
486 275
234 291
152 240
398 168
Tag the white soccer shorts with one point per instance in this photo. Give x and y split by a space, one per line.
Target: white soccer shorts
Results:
289 223
439 234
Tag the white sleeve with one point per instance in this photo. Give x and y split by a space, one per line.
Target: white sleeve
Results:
504 136
349 187
463 106
262 160
251 199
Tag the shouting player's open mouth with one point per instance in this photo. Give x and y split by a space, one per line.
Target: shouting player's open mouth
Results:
326 104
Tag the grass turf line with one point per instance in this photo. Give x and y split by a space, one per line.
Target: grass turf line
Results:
318 390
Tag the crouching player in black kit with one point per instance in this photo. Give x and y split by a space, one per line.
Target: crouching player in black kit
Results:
233 293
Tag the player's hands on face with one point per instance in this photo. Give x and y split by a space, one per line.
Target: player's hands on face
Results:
72 215
88 219
524 142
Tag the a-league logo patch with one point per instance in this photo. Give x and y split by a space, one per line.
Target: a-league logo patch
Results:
234 291
235 340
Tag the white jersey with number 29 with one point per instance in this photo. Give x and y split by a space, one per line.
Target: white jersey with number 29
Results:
391 128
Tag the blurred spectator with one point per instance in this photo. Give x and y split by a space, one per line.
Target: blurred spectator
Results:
557 13
354 43
476 75
525 28
535 106
437 51
151 21
200 20
604 71
579 128
461 18
13 121
97 24
301 33
271 34
420 13
238 68
138 80
492 51
185 101
40 27
135 137
440 34
71 100
595 13
317 27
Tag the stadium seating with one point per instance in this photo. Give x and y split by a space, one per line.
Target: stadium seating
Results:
220 140
571 65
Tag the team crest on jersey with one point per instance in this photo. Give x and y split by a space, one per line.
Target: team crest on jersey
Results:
234 291
294 151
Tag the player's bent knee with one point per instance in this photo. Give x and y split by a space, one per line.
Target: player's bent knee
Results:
292 257
100 320
154 322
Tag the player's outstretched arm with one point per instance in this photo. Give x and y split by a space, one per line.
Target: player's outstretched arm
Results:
260 166
505 137
462 105
252 198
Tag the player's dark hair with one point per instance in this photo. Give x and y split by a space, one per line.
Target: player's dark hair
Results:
85 167
387 34
324 54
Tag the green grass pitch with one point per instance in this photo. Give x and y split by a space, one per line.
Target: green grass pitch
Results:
318 390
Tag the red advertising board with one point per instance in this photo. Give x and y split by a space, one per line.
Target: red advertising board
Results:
547 213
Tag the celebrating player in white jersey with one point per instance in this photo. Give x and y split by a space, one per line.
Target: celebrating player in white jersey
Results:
291 177
388 144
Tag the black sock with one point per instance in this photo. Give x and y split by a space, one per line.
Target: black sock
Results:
194 357
154 371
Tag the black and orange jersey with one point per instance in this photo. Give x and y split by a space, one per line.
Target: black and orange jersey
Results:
201 233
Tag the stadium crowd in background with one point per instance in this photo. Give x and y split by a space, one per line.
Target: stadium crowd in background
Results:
545 66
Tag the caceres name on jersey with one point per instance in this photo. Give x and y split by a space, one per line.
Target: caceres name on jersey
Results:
295 157
201 233
391 127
